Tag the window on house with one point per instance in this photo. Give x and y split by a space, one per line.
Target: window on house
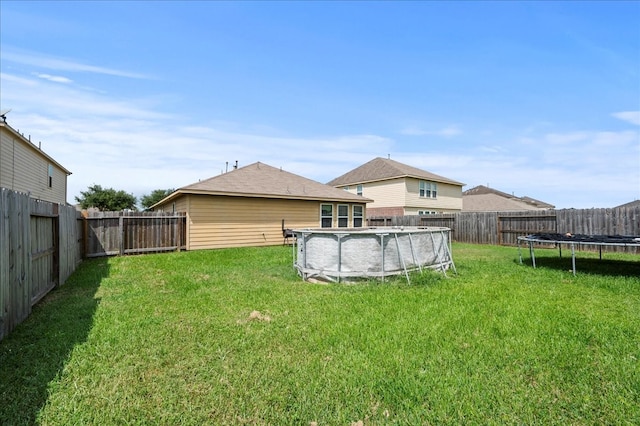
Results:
50 174
359 189
346 188
326 215
428 189
425 212
343 216
357 216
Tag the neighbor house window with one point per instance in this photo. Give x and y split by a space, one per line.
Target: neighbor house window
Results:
326 215
50 174
428 189
425 212
346 188
359 189
357 216
343 215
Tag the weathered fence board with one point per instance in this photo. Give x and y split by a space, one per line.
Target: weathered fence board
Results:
504 228
39 249
15 294
118 233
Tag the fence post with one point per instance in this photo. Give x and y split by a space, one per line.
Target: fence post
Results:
121 234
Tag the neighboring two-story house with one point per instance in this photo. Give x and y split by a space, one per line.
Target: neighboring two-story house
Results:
398 189
26 168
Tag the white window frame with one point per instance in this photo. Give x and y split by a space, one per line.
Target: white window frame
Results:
358 216
343 219
428 189
50 175
323 216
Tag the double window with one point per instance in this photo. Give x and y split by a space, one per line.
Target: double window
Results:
428 189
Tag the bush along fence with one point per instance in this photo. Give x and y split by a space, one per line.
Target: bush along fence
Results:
504 228
39 249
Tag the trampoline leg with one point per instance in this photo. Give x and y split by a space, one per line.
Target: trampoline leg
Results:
519 252
533 255
573 259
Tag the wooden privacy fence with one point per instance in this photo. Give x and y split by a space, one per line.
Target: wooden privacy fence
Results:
504 228
119 233
39 249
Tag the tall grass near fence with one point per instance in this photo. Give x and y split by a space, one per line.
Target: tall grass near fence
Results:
235 337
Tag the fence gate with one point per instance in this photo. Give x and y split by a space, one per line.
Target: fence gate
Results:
44 255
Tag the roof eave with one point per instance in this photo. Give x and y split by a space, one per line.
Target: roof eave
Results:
451 182
34 147
178 192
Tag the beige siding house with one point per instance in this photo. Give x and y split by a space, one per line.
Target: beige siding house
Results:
251 205
398 189
482 199
25 167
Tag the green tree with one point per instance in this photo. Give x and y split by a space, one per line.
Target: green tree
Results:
106 199
156 195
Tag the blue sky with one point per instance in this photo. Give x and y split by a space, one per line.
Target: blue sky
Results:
533 98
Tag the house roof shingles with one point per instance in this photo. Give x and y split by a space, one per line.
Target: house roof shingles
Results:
482 198
382 169
264 181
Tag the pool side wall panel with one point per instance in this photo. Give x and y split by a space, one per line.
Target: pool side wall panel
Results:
335 256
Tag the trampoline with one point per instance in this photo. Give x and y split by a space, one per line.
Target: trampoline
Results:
574 240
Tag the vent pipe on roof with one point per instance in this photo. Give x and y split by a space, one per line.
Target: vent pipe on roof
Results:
236 166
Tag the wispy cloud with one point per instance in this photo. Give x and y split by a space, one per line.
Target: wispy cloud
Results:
54 78
127 143
632 117
39 60
447 131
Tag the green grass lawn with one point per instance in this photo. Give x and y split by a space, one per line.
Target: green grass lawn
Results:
235 337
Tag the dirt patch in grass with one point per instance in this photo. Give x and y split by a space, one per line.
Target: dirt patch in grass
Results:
255 316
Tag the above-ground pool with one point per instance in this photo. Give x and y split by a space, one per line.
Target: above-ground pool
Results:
346 254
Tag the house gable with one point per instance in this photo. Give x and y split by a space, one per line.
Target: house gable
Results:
384 169
25 167
395 188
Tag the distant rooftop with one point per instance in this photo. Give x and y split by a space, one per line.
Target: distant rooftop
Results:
382 169
483 198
